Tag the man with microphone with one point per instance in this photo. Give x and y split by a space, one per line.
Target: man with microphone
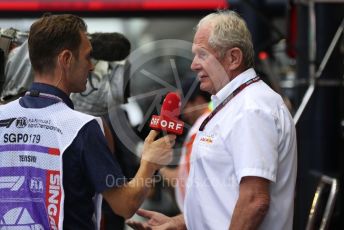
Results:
54 161
243 162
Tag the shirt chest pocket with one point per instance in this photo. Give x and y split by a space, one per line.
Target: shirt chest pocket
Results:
212 148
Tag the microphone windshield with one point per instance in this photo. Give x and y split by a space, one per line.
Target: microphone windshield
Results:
109 46
171 106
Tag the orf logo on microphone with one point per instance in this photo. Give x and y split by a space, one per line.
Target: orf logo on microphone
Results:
155 121
172 126
167 125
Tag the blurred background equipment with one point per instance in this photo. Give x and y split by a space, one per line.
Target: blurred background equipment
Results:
18 73
10 39
2 69
320 93
108 83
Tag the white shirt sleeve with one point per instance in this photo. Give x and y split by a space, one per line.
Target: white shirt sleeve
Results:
253 142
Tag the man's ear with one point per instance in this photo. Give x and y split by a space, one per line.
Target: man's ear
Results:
65 58
234 57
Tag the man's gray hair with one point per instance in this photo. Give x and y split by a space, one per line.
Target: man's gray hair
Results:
229 30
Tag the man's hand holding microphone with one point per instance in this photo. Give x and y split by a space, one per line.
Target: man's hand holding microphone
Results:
126 199
159 152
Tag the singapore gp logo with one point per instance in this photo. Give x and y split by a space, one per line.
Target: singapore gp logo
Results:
156 68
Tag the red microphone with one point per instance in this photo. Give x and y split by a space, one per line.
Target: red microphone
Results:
168 120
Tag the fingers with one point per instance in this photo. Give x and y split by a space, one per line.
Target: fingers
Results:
141 225
172 139
159 152
145 213
152 135
137 225
169 140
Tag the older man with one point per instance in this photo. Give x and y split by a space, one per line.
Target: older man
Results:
243 166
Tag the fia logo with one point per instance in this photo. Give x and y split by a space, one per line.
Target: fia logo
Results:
36 185
21 122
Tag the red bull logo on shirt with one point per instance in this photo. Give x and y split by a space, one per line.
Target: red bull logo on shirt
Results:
206 139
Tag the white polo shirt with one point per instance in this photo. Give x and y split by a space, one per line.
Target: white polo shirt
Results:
253 135
184 163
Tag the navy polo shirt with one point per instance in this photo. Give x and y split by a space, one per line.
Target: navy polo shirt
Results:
88 164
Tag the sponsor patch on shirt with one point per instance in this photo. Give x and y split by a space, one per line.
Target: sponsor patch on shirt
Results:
207 139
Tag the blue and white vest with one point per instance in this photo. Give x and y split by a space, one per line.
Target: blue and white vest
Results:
32 142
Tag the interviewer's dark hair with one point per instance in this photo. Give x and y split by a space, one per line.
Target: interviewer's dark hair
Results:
50 35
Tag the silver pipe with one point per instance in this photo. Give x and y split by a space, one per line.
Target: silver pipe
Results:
330 49
304 102
312 41
333 182
330 202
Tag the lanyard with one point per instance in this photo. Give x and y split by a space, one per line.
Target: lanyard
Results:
35 93
224 102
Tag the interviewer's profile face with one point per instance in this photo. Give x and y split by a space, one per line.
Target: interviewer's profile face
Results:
81 66
210 70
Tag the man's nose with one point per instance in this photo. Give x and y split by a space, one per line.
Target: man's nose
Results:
194 65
